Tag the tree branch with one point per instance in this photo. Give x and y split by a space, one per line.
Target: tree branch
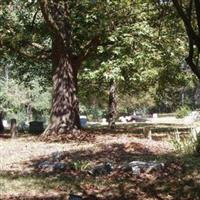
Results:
38 46
57 18
89 48
40 55
47 16
34 18
187 23
189 10
197 6
193 37
189 59
45 8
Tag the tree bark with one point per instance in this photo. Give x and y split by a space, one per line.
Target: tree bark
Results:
1 123
112 105
13 128
188 18
29 112
65 106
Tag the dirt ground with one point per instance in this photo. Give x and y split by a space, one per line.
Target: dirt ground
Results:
20 179
14 153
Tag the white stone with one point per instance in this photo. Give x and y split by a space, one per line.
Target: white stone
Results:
103 120
138 166
128 118
122 119
155 115
5 123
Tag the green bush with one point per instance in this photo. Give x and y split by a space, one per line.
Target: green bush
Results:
185 146
15 98
188 145
93 113
183 111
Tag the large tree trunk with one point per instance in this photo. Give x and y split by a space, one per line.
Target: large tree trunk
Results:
65 108
112 105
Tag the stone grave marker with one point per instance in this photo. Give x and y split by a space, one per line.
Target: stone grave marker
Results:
36 127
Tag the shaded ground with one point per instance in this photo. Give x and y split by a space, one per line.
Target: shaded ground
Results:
21 179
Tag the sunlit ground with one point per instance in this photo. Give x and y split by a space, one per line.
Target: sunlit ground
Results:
20 178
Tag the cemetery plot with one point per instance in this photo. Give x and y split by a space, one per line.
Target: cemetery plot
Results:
153 130
113 166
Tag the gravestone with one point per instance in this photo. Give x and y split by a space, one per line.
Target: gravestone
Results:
5 123
57 156
49 166
104 121
13 128
23 126
74 197
36 127
155 115
122 119
192 117
101 170
141 166
83 121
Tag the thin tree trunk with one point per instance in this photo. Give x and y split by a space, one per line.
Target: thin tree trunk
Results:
13 128
65 106
1 123
112 105
29 112
189 19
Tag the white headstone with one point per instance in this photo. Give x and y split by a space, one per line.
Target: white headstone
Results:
122 119
155 115
5 123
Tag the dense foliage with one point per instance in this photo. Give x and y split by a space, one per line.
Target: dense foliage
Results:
141 45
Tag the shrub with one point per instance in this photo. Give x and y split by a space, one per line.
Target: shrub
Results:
187 145
93 113
183 111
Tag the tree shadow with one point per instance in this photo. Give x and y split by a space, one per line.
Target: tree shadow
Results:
115 153
5 136
180 178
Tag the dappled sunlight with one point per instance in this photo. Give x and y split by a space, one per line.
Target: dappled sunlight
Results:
110 89
180 175
78 159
